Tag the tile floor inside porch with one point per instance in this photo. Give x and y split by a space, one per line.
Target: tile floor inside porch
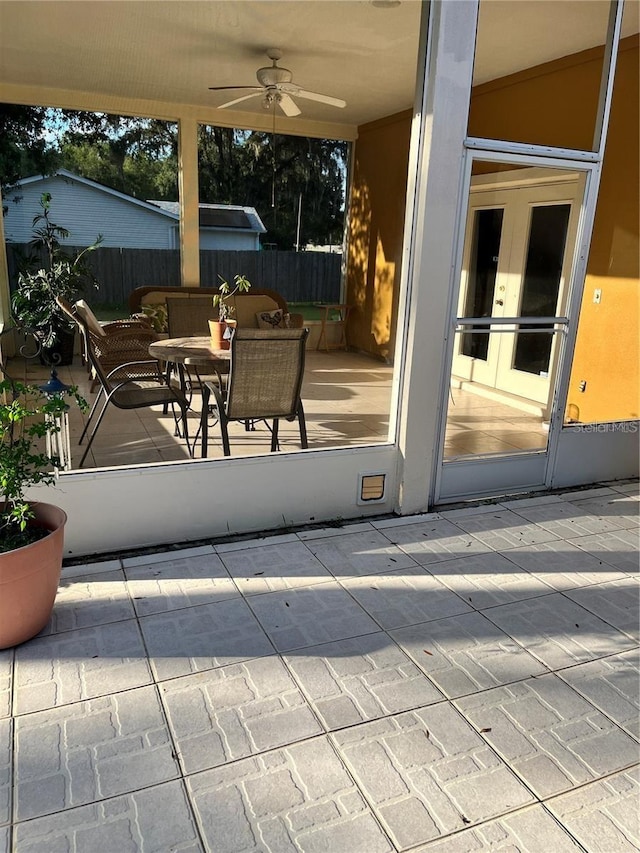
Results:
347 399
461 681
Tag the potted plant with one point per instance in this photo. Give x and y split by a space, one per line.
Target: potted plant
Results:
31 533
46 273
221 328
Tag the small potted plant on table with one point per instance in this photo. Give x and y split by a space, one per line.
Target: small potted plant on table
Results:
220 329
31 532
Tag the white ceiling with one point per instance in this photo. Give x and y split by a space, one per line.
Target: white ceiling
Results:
171 52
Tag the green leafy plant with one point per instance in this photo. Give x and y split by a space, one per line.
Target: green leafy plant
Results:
241 284
27 417
33 303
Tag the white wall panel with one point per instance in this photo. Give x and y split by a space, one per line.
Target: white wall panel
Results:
111 510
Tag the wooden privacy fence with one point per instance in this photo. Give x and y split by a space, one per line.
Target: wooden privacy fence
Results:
298 276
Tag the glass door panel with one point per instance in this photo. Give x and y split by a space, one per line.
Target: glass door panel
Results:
541 284
483 268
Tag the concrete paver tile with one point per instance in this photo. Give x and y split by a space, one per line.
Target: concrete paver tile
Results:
548 734
427 774
77 754
5 839
259 543
503 529
274 567
618 548
530 830
204 637
404 521
235 711
181 582
630 487
64 668
355 680
298 799
154 820
309 615
404 597
604 815
466 653
558 631
84 601
6 679
434 540
169 555
563 565
568 520
623 510
97 568
590 493
5 771
338 530
362 553
616 602
612 685
488 579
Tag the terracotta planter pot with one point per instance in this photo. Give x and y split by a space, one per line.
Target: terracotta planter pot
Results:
217 330
29 579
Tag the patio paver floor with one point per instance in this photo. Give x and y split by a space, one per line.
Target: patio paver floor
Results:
460 681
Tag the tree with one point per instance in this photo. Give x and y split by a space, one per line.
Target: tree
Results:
276 174
24 149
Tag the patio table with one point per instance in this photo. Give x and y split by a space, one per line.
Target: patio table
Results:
191 352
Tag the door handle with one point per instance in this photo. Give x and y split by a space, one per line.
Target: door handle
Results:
499 302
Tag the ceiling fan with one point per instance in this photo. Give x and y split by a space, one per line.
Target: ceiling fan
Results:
276 88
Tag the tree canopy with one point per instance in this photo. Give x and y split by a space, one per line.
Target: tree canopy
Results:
288 179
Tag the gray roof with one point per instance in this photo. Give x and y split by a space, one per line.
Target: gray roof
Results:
221 216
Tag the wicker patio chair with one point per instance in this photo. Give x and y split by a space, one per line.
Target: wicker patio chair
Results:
118 342
265 380
134 384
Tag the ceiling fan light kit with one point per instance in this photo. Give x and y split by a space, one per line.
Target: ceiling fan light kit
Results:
276 88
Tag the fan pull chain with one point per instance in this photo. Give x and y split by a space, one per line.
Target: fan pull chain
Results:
273 160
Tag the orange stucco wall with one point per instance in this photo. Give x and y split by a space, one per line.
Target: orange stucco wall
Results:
519 107
607 349
376 220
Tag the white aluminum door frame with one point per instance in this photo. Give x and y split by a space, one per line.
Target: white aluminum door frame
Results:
533 471
520 471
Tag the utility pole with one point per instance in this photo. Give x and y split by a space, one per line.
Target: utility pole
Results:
298 228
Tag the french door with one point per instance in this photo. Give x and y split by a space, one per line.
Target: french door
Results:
517 262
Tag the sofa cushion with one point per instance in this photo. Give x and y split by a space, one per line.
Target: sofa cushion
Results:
93 324
246 308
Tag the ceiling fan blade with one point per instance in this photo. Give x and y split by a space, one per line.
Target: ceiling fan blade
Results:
322 99
229 88
239 100
288 107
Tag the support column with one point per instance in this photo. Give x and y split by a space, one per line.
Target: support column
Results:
189 212
436 169
7 347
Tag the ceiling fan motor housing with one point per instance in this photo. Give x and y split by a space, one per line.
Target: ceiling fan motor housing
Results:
271 75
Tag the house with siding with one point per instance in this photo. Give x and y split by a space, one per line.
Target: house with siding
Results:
87 208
